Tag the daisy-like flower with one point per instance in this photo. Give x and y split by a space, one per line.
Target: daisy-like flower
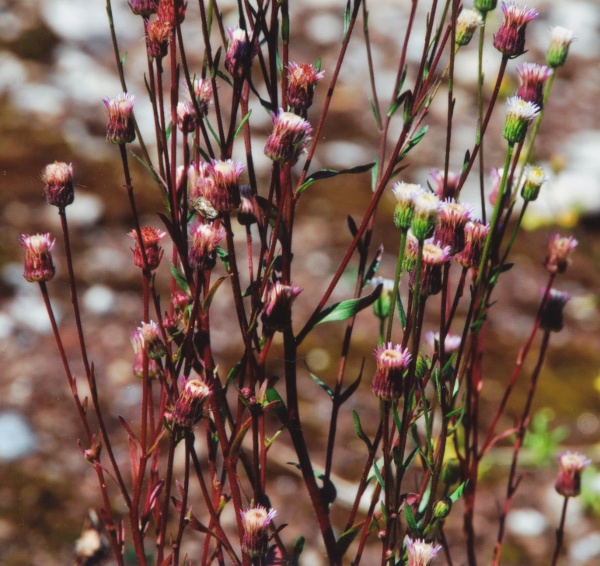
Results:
290 135
58 178
426 211
151 238
278 306
450 230
551 315
421 553
444 188
392 363
203 246
519 113
203 92
153 343
466 23
533 78
534 178
434 257
302 78
224 191
238 56
157 38
256 520
451 342
406 194
510 39
475 235
120 128
560 41
568 482
559 252
38 264
188 407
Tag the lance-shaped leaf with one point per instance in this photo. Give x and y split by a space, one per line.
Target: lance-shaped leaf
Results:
327 173
359 431
347 309
345 540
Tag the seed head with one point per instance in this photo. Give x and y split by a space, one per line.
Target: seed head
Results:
256 520
151 238
551 315
560 40
467 22
510 39
421 553
58 178
203 246
559 252
406 194
519 113
533 78
291 134
568 482
38 259
188 407
302 79
120 128
392 364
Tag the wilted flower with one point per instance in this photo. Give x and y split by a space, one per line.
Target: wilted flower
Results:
533 78
203 246
406 194
157 38
302 79
151 238
559 252
421 553
38 259
392 364
534 178
467 22
256 520
572 464
551 315
278 306
58 178
188 407
120 128
560 40
519 113
186 116
510 39
290 135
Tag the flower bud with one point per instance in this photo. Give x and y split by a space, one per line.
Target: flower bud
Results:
256 520
568 482
38 259
551 315
381 307
442 508
533 78
203 246
510 39
406 194
290 136
559 252
485 5
120 128
467 22
560 40
392 364
534 178
278 306
302 79
58 178
188 407
519 113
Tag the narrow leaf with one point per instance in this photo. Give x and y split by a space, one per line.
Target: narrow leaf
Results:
211 294
378 476
347 309
241 125
414 140
346 19
359 431
457 494
179 278
372 269
410 519
328 173
322 385
345 540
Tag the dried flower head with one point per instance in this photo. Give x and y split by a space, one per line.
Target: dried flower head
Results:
519 113
290 135
510 39
58 179
277 312
560 41
151 238
533 78
188 408
238 57
144 8
450 230
466 23
559 253
203 92
157 38
392 364
534 178
171 11
256 520
203 245
302 79
475 235
427 207
445 188
406 194
568 482
120 128
38 264
421 553
153 343
551 314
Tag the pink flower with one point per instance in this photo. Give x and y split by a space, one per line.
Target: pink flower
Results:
204 241
421 553
290 135
120 128
303 78
572 464
58 178
256 520
559 252
533 78
38 259
392 363
278 306
150 238
510 39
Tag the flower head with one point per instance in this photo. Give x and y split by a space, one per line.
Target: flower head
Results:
38 259
551 314
203 246
58 178
434 257
120 128
560 40
467 22
151 238
427 207
392 363
153 343
240 50
485 5
451 342
510 39
533 78
450 230
445 188
247 212
203 92
188 407
534 178
138 344
290 135
224 190
406 194
157 38
572 464
559 252
421 553
278 306
144 8
475 235
519 113
172 11
256 520
302 78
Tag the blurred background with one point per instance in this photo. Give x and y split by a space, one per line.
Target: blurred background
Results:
56 65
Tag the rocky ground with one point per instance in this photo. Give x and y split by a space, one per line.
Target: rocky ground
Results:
56 66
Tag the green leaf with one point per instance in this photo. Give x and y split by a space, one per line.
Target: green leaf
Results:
359 431
414 140
328 173
378 476
375 112
410 519
345 540
179 278
347 309
457 493
241 125
211 294
322 385
224 256
352 226
237 441
374 173
279 410
372 270
298 548
346 19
